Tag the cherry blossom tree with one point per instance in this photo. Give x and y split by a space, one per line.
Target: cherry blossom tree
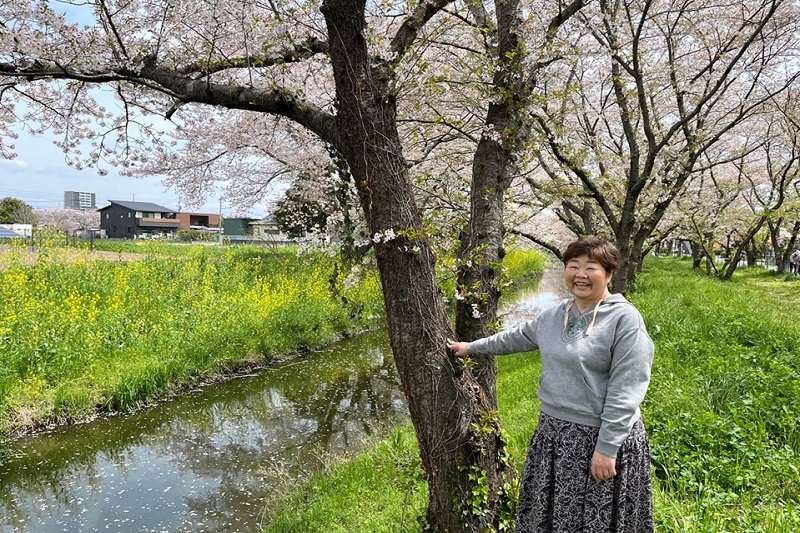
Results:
728 206
69 220
771 173
653 88
605 111
251 90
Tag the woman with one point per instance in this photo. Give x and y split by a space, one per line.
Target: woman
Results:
588 465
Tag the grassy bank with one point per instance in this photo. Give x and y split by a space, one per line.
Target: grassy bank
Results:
91 331
81 333
724 406
722 412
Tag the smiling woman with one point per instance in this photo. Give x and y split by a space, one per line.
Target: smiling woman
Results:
588 465
589 265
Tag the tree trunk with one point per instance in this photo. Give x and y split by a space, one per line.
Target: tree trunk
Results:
625 278
697 255
752 255
741 248
787 251
481 255
446 402
481 252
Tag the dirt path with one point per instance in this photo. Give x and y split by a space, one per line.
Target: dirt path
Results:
68 255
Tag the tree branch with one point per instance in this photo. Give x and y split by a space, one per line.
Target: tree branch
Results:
408 31
292 54
544 244
278 101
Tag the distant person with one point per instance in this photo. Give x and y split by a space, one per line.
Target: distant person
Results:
588 464
794 262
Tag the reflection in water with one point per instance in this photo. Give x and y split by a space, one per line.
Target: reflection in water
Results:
206 461
527 307
528 301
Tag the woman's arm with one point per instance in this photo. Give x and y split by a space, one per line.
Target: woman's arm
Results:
629 377
519 339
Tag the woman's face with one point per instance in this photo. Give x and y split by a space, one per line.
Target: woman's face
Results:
586 279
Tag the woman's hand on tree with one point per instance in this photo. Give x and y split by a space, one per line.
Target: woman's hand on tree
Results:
459 348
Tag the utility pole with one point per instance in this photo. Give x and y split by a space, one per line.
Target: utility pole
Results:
219 231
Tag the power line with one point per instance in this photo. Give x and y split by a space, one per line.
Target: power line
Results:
32 194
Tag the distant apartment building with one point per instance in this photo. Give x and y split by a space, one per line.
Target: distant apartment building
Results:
82 201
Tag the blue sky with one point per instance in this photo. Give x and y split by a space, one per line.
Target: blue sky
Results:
40 175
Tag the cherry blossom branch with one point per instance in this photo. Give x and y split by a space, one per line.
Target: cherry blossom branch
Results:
277 101
560 154
301 52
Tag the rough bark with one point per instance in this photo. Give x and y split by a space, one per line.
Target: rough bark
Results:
443 396
507 129
482 252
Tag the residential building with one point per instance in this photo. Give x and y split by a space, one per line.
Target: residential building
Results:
6 233
21 230
237 227
82 201
198 221
251 230
267 230
138 220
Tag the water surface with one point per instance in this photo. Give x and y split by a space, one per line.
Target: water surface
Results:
208 460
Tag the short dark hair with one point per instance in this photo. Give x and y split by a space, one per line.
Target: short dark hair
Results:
600 250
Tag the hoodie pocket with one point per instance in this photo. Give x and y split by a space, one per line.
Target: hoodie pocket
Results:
570 392
592 390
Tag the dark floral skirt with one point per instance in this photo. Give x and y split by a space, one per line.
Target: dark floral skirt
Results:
559 494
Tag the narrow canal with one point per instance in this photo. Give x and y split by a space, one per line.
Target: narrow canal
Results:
211 460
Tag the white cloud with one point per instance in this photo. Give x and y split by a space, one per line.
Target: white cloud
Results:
14 165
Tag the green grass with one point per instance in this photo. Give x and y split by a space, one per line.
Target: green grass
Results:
724 405
380 491
520 264
383 489
722 413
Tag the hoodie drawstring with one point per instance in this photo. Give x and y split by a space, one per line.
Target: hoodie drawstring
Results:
594 316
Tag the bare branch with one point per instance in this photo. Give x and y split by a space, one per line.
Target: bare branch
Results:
408 31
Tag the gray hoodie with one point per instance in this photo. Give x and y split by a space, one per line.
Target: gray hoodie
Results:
596 364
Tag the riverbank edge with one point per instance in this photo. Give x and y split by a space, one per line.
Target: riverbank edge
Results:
219 369
245 367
